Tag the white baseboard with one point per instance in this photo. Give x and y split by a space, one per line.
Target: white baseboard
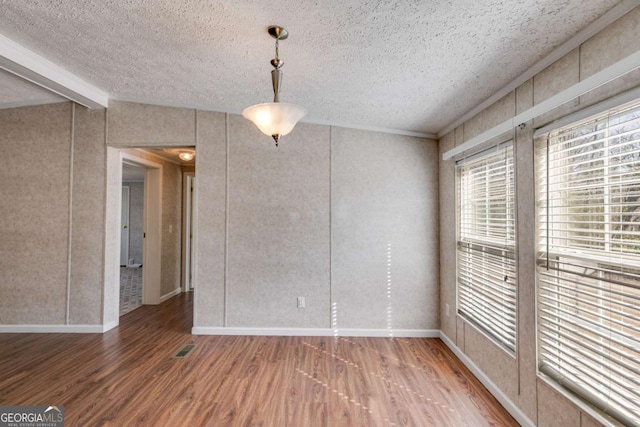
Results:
171 294
53 329
318 332
110 325
511 407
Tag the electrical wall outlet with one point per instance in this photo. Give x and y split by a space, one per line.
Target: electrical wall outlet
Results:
446 309
301 302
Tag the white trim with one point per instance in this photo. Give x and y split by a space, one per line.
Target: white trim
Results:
504 400
110 325
162 103
188 230
156 156
608 104
32 102
318 332
53 329
578 402
306 120
594 28
371 128
171 294
598 79
24 63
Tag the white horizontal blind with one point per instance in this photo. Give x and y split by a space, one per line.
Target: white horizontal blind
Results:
486 243
588 269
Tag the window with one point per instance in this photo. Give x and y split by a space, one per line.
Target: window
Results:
486 243
588 266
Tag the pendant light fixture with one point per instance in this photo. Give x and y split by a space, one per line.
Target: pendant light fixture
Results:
275 118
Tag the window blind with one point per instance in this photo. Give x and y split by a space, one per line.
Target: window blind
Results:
486 243
588 266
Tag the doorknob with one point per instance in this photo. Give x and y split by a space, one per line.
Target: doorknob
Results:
124 226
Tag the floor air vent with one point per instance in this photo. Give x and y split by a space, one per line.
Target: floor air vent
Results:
184 351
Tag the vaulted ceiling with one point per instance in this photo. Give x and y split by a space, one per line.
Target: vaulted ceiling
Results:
410 65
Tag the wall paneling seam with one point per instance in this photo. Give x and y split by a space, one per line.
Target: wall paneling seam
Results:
515 136
226 216
331 325
194 214
70 218
104 216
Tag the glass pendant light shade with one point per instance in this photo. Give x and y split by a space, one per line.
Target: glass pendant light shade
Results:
274 118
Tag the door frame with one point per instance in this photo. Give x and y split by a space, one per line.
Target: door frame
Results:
124 249
152 243
188 227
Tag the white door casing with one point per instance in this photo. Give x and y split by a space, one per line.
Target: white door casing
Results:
124 226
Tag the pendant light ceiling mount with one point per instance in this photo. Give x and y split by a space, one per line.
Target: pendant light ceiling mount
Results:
278 32
275 118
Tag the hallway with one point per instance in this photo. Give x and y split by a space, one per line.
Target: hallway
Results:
128 377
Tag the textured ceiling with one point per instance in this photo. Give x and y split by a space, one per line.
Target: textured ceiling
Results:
172 154
411 65
16 91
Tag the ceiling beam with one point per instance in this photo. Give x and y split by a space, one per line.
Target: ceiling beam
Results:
20 61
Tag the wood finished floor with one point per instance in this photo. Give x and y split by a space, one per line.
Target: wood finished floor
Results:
127 377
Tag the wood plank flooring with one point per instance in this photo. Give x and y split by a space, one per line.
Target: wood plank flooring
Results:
127 377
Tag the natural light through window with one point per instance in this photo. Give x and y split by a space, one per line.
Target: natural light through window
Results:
588 267
486 243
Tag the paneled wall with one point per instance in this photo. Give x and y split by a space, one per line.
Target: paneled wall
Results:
384 231
516 376
337 216
314 218
51 234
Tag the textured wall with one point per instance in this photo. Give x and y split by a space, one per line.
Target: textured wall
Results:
112 214
278 227
51 233
516 377
268 219
384 230
171 228
87 221
142 125
34 224
210 219
136 220
264 219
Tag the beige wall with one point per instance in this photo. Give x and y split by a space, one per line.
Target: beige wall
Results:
51 228
516 376
273 223
312 218
384 230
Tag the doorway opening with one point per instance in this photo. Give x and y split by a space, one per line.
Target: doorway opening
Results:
131 237
167 211
140 232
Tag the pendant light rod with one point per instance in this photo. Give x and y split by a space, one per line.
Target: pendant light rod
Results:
278 33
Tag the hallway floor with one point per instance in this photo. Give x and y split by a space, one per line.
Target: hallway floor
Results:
130 289
127 377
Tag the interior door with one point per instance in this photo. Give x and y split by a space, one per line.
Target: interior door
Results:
124 231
